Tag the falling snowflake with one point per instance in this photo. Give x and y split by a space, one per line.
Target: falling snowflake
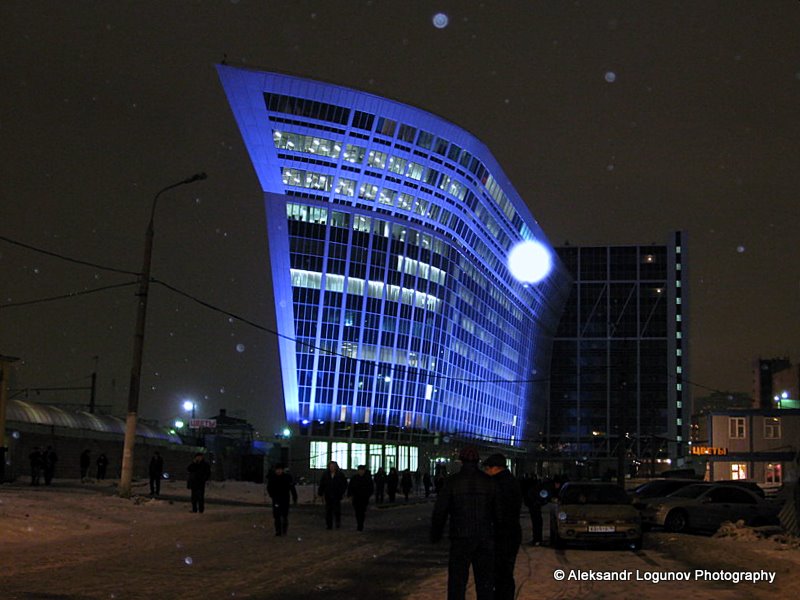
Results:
610 76
188 560
440 20
740 249
240 348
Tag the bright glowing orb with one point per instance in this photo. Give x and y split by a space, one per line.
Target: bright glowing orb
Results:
440 20
188 405
529 262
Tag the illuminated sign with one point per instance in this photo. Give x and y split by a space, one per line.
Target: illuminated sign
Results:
709 450
202 423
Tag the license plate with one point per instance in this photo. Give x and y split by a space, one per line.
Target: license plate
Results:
602 529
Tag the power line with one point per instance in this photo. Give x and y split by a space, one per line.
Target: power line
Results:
64 257
65 296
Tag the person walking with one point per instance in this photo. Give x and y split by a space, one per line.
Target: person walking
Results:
359 490
427 484
280 486
102 465
508 533
406 483
155 471
380 484
333 487
392 481
199 472
468 498
37 464
85 461
49 460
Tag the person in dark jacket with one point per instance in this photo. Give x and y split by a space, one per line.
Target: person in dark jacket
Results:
406 483
37 464
333 487
49 460
380 483
199 472
532 497
427 483
85 461
392 481
280 486
508 533
102 465
156 471
468 499
359 490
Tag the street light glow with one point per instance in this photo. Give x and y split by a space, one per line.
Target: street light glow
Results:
529 261
188 405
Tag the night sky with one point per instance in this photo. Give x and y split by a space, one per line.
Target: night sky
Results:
617 122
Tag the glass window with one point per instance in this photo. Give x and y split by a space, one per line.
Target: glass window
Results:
387 196
406 201
386 126
376 159
368 191
773 473
306 143
397 165
738 471
362 120
406 133
415 171
425 139
358 454
454 152
391 457
441 146
736 428
346 187
339 454
319 455
413 458
354 154
402 458
375 457
772 428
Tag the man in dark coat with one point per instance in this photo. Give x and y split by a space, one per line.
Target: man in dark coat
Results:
380 483
37 463
406 483
49 459
85 461
156 471
333 487
359 490
532 497
469 499
199 472
280 486
508 533
392 481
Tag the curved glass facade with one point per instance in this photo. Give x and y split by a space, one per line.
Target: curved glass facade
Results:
389 229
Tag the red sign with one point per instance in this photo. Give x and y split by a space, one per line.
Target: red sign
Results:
202 423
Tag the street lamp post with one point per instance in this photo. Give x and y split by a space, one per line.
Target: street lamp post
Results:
138 346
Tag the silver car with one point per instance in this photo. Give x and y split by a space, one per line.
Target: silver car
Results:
706 506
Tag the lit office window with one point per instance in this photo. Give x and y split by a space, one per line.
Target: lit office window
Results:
739 471
376 159
354 154
391 456
397 165
387 196
368 191
346 187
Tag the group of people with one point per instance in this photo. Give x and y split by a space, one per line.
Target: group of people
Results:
483 507
43 465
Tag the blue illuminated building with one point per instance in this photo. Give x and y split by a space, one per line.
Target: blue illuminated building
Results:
400 326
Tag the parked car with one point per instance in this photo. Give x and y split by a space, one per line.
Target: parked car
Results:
705 506
592 512
744 483
656 488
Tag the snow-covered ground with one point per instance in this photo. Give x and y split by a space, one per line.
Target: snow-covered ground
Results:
77 540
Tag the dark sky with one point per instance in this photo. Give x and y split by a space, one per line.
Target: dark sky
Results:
104 103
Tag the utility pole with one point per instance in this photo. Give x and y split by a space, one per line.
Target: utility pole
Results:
126 475
5 361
